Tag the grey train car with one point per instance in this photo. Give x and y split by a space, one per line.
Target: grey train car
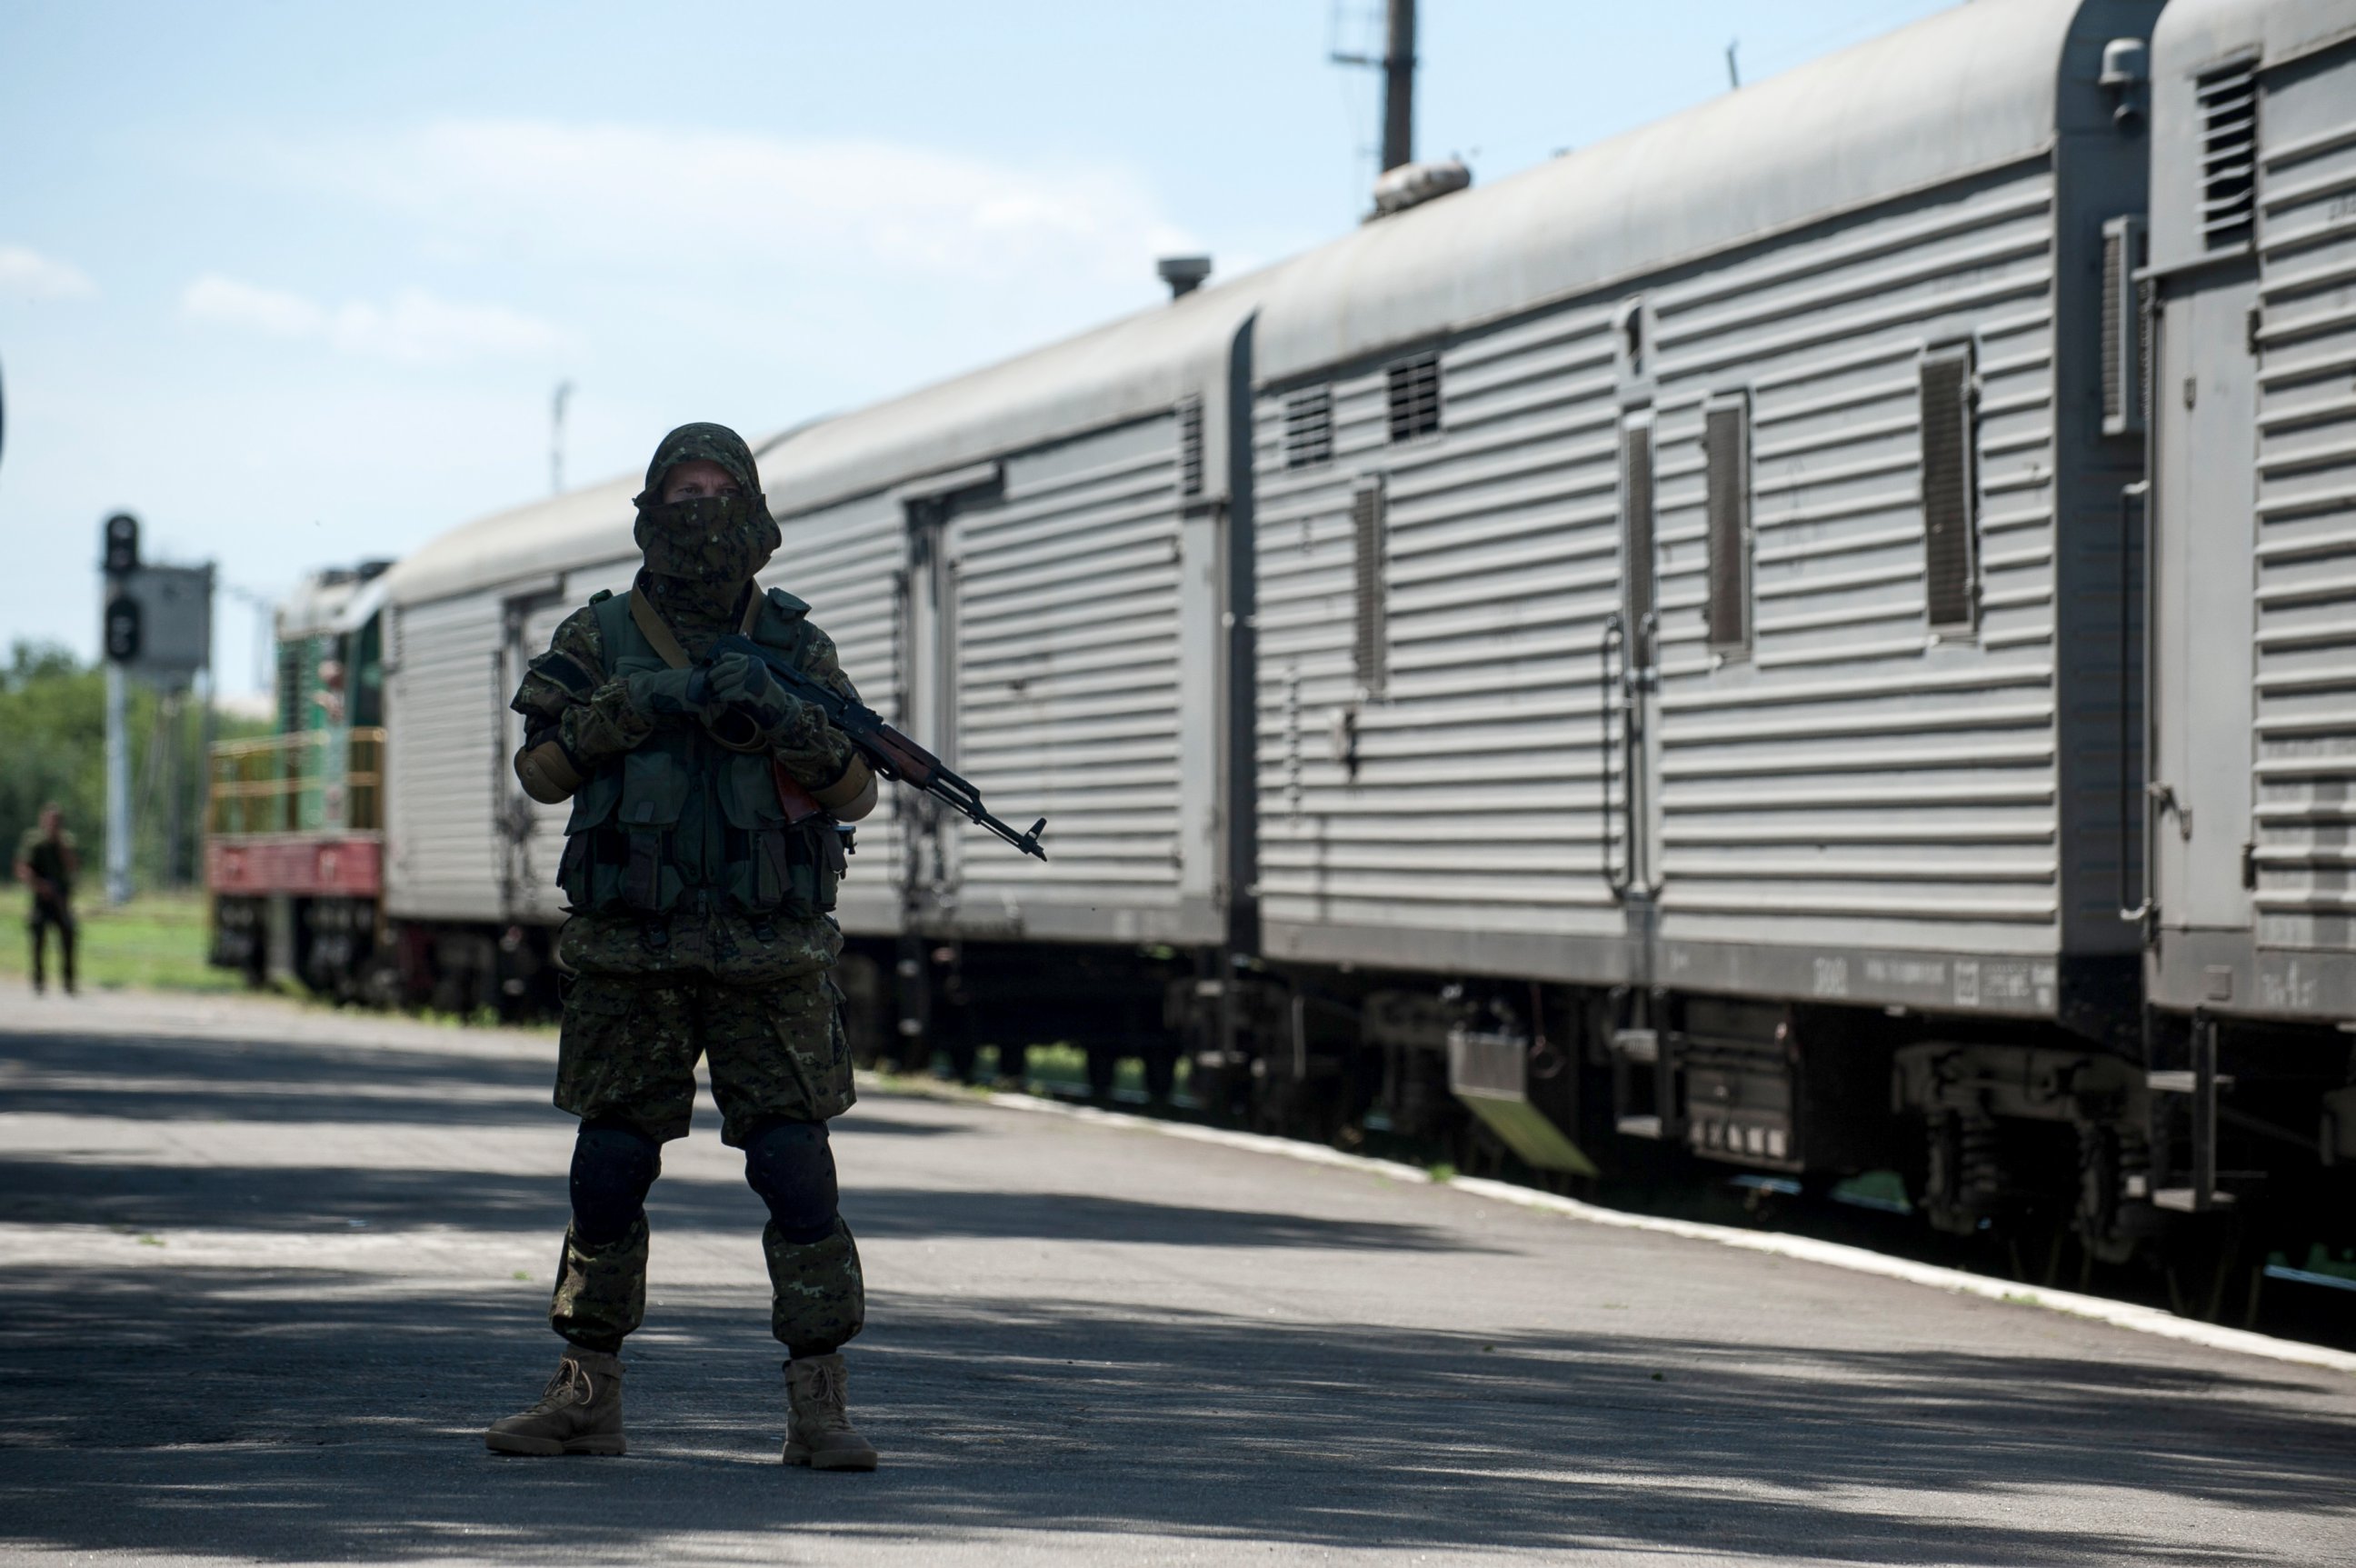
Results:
1038 560
1688 572
2249 810
1809 637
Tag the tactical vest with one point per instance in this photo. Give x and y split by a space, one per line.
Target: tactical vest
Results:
683 821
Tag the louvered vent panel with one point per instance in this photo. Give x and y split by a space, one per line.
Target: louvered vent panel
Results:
1309 428
1415 397
1947 491
290 686
2122 327
1368 648
1636 520
2146 371
2114 334
1190 446
1725 443
2229 154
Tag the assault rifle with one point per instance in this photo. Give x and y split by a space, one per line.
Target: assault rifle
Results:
887 751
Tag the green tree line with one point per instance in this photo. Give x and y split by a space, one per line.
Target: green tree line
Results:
53 748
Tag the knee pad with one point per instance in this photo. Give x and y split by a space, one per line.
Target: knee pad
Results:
792 1165
613 1167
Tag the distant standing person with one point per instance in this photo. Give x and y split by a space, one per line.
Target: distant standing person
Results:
699 869
46 863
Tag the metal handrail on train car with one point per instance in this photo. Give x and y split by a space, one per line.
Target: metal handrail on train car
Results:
2134 782
1640 674
1611 695
260 786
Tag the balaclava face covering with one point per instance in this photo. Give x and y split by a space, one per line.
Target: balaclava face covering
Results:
701 553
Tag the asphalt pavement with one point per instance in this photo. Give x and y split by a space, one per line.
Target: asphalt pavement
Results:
266 1273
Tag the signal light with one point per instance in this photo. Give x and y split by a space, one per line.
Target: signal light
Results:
121 544
123 625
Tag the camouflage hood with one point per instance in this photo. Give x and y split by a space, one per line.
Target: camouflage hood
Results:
700 553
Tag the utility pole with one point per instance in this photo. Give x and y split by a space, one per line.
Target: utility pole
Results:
1399 86
118 790
1397 66
124 622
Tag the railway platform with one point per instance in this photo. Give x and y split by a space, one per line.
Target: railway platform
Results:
265 1272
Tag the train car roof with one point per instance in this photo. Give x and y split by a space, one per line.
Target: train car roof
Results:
579 528
1136 366
1973 88
2193 34
1127 369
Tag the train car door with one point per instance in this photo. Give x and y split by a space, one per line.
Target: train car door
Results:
1632 771
530 837
936 521
2202 604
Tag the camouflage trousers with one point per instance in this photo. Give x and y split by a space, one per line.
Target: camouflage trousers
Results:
630 1044
776 1052
818 1299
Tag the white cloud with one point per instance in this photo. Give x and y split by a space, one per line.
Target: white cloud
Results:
419 329
266 310
693 199
414 327
26 273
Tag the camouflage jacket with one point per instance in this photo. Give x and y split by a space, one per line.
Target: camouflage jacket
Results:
567 696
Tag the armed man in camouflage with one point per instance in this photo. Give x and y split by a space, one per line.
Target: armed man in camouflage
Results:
700 862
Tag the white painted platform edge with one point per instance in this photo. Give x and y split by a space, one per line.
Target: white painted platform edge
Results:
1834 1254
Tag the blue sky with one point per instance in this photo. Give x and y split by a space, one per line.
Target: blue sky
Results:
294 282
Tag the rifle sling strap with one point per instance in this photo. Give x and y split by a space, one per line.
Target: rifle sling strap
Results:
657 632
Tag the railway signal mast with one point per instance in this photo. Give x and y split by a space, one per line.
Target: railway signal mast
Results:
157 627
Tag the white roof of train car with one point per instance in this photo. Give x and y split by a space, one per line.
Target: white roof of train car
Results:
578 528
1973 88
2192 33
1138 365
1135 366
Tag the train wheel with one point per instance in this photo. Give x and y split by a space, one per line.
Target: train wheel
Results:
960 1059
1161 1072
1013 1066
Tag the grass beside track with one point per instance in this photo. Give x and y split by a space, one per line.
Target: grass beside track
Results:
156 942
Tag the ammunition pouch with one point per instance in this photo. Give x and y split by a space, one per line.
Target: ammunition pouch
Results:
856 776
546 774
693 816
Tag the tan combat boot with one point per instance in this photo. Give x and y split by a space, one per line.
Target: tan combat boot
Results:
819 1432
580 1412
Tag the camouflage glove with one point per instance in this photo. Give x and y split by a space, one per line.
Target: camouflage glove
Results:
671 693
740 682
